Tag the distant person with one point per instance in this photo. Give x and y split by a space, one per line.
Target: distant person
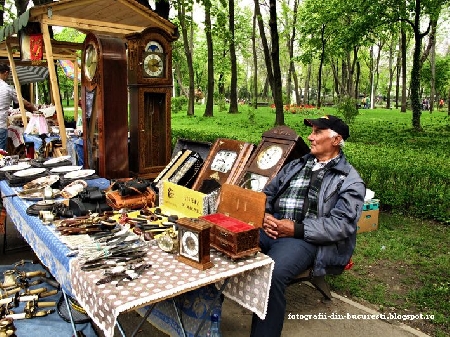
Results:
367 102
441 104
7 95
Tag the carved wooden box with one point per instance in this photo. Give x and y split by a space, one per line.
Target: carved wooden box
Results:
235 226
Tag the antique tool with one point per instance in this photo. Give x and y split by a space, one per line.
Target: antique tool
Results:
25 315
14 301
126 274
48 293
33 291
6 293
51 282
7 327
9 279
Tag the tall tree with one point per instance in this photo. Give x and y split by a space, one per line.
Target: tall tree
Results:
265 45
209 43
275 57
233 85
255 64
182 7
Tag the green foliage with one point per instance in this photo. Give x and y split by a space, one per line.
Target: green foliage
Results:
348 109
408 171
179 104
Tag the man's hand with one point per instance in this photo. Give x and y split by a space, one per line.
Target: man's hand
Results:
275 228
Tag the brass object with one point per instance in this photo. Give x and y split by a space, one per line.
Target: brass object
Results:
9 279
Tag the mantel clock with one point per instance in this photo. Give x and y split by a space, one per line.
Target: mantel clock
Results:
194 243
104 104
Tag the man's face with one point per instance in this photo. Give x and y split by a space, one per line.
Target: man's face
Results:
321 142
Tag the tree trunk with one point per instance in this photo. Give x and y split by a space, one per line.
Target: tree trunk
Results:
298 93
2 5
322 57
415 71
188 53
277 84
433 64
399 70
391 73
290 46
21 6
267 58
307 81
209 42
255 64
377 71
403 44
358 74
233 83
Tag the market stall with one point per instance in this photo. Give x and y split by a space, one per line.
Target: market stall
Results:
114 18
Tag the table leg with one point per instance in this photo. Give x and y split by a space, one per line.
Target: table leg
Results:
149 311
222 288
70 313
179 314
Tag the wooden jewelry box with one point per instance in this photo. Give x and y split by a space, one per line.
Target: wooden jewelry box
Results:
235 226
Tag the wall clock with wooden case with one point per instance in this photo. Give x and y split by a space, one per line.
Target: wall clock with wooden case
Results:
278 146
105 106
150 87
224 163
194 243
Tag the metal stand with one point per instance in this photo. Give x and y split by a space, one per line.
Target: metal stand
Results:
179 314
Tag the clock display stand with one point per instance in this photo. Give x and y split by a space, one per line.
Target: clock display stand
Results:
278 146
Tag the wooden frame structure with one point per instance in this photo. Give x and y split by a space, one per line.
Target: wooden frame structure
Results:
116 18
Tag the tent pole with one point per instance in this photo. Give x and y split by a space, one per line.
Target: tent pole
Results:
75 90
54 85
32 93
17 85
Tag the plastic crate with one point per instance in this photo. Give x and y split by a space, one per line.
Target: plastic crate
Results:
371 205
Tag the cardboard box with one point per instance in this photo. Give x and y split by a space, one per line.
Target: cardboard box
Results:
368 221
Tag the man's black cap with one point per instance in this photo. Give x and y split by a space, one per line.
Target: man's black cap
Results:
330 122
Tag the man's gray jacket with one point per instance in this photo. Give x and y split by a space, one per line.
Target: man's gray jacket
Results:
340 204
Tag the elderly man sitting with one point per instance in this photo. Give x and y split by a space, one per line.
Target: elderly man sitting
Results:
313 206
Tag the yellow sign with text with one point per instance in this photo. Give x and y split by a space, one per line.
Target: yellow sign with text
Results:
179 200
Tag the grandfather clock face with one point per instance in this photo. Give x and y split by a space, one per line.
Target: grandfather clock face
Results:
277 147
153 60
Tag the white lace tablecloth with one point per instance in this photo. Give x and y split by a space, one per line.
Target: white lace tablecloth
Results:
249 285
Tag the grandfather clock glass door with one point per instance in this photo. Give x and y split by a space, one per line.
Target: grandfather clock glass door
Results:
92 130
153 130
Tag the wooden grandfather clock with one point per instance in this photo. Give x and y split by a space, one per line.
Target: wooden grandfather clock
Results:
150 87
105 106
